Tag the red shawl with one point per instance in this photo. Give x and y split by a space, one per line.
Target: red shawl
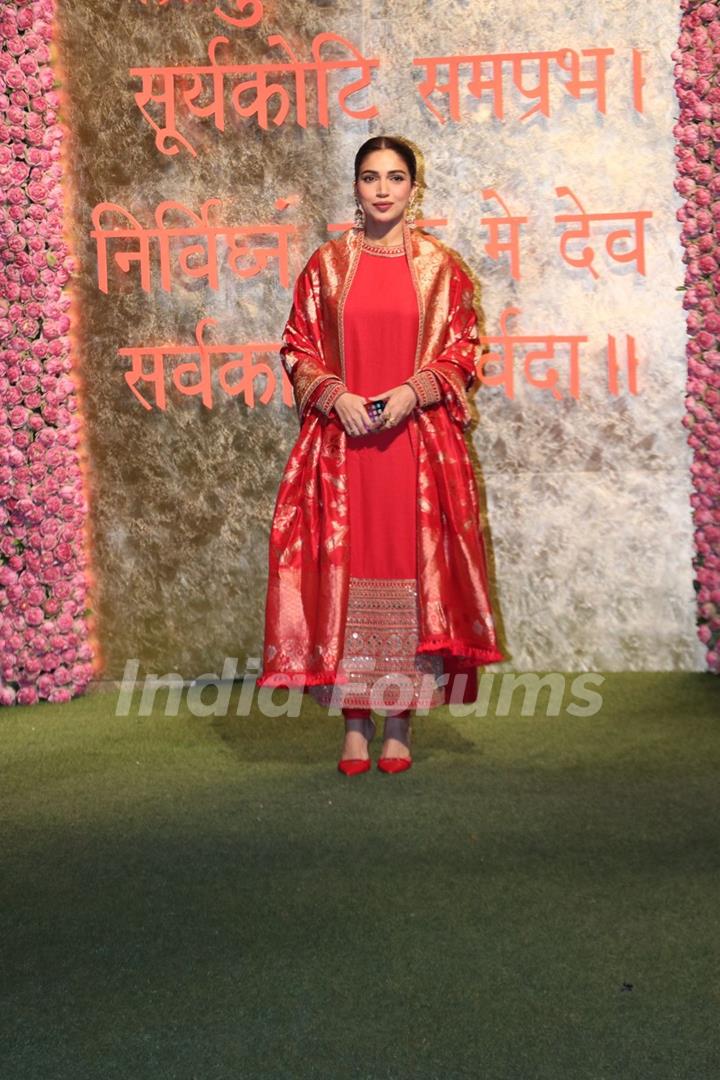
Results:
308 553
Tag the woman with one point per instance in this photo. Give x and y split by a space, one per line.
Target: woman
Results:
377 591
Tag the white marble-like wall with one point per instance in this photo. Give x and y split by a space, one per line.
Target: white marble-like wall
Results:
587 502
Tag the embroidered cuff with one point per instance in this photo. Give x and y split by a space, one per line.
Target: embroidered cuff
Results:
329 394
426 386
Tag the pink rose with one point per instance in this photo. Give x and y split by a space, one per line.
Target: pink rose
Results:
45 684
18 416
15 77
34 616
712 319
27 695
60 694
685 186
7 695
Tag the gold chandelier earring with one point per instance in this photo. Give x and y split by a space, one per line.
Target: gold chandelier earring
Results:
359 222
411 214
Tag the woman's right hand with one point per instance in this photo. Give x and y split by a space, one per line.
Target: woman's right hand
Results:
353 415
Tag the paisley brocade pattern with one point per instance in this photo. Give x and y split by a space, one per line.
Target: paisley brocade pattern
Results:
302 351
380 666
308 557
447 490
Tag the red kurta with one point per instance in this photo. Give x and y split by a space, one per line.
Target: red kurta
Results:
380 327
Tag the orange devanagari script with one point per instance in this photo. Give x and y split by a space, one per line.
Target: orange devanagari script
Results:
495 246
581 230
497 367
254 16
442 91
199 363
236 376
247 254
254 93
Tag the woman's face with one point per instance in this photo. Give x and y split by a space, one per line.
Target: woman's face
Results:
384 187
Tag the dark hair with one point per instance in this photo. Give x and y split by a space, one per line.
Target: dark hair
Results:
387 142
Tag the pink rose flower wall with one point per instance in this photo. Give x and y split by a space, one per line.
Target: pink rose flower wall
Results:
47 650
698 165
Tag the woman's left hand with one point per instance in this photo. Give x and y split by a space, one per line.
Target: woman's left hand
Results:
401 401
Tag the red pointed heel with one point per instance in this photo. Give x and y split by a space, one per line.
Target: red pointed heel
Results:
352 766
397 727
393 764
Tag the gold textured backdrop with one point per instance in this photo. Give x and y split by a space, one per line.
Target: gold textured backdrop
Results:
587 502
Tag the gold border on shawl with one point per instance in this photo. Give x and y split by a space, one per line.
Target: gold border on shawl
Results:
409 251
355 242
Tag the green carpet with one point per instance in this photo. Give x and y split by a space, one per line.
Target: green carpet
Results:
202 898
